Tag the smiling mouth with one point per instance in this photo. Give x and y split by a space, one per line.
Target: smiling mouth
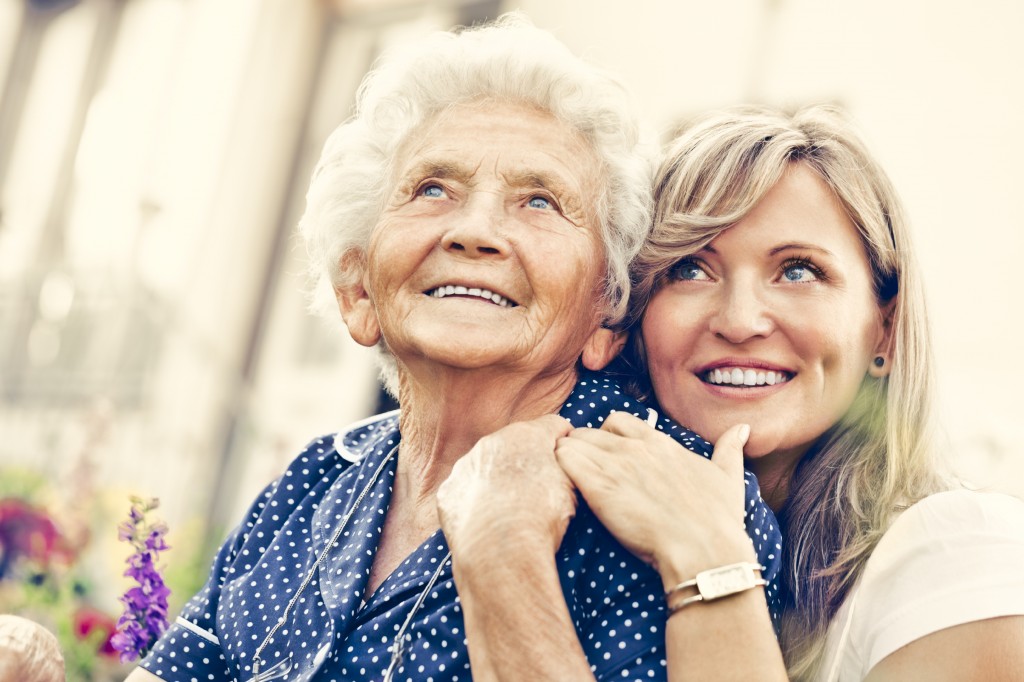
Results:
736 376
473 292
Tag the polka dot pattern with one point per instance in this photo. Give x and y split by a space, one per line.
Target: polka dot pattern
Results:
330 635
596 396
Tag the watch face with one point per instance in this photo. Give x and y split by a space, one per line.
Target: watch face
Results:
726 580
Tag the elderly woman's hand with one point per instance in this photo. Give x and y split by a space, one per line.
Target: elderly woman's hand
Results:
509 490
679 512
504 511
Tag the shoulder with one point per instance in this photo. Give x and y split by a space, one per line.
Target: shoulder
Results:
356 440
979 506
963 516
349 445
952 558
942 537
323 462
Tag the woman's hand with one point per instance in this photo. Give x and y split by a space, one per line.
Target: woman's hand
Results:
509 489
679 512
504 510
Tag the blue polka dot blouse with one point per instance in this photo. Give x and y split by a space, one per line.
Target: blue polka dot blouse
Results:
256 599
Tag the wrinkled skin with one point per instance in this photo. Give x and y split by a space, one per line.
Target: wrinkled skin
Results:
511 486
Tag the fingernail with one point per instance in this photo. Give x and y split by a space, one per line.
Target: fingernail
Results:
744 433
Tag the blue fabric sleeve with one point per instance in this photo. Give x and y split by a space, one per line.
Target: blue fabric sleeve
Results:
190 650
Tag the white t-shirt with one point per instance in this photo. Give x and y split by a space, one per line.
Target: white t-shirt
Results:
952 558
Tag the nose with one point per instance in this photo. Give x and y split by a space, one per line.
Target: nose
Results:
741 314
475 230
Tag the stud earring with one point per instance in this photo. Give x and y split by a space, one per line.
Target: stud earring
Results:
879 361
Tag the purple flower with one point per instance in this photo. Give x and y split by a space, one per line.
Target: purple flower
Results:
145 606
125 531
155 541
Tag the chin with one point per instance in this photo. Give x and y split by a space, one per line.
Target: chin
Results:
758 447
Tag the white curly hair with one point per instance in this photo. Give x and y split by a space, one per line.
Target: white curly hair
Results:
508 60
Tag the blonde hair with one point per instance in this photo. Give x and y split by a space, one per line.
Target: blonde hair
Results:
881 455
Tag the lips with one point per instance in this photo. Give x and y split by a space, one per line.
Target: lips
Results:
481 293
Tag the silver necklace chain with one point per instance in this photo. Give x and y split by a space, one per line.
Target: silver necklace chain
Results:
397 648
256 660
399 641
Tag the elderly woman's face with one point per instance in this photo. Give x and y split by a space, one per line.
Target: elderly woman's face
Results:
774 324
488 253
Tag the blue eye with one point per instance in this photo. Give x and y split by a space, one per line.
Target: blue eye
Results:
539 202
688 270
432 191
800 271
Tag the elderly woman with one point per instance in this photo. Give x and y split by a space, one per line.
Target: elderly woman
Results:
779 290
474 221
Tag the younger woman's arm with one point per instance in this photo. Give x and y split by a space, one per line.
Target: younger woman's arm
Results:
683 515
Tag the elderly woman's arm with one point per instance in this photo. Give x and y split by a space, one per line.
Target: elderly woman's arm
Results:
504 511
517 624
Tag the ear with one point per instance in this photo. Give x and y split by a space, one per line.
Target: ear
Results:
602 347
355 304
884 344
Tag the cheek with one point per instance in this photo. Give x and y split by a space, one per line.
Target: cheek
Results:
667 329
669 340
570 271
848 346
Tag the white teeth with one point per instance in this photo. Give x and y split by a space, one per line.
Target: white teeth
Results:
459 290
745 377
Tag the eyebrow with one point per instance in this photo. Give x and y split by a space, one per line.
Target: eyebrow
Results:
567 194
442 170
537 180
799 246
570 199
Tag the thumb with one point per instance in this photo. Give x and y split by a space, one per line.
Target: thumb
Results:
728 456
554 425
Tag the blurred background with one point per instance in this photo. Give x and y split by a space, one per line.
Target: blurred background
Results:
154 156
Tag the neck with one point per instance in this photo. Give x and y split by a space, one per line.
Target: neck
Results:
774 473
446 412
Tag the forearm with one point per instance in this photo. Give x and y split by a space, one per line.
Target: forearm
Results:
726 639
518 626
730 638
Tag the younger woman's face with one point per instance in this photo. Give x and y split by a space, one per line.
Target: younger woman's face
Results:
774 324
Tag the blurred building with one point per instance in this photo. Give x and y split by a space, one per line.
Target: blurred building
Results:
154 156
